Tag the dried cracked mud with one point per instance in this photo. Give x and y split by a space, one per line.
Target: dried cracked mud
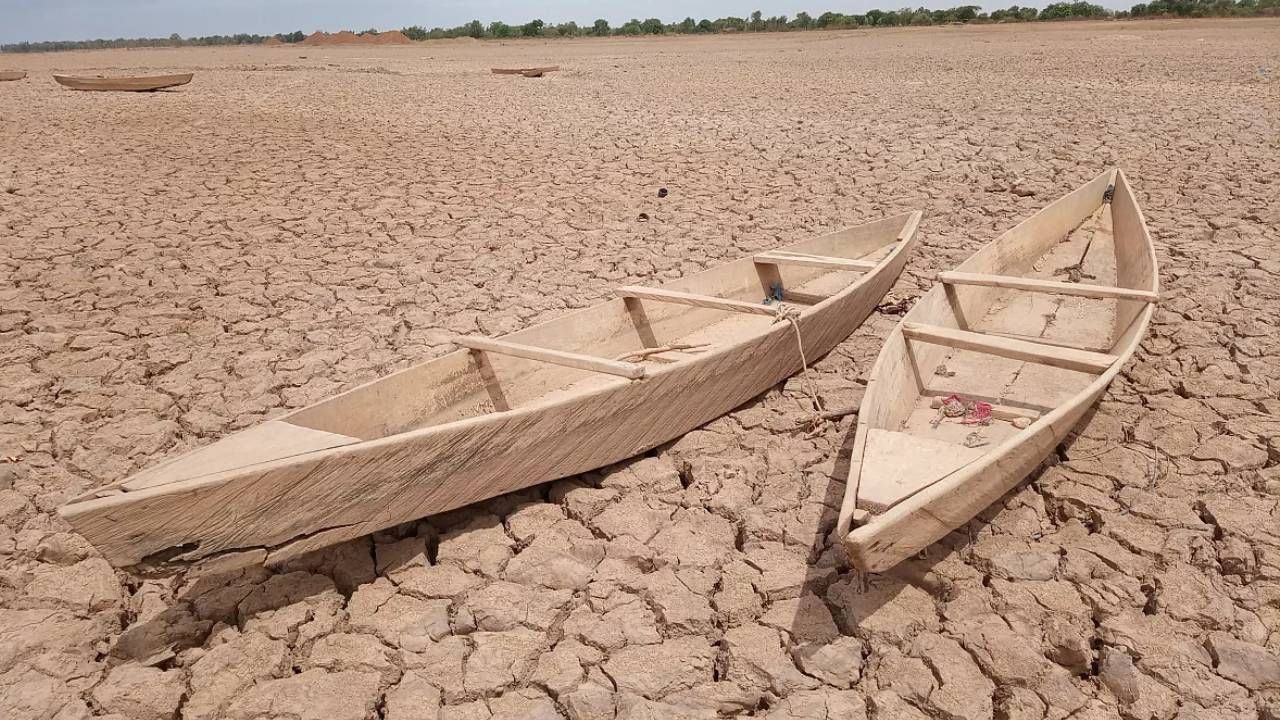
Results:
179 265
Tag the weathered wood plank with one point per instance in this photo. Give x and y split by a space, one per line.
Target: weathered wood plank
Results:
695 300
817 261
1068 358
952 277
631 371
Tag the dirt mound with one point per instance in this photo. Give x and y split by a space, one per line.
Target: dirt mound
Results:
272 41
393 37
346 37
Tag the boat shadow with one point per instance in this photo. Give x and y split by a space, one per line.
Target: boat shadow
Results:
853 599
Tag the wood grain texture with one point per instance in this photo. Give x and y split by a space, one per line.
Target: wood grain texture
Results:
291 506
1046 286
695 300
123 84
829 263
1006 347
904 372
627 370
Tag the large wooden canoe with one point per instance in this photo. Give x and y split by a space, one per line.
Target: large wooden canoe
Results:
124 84
8 75
1029 331
557 399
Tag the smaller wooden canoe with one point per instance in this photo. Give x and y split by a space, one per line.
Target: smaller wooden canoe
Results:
526 71
993 367
147 83
6 75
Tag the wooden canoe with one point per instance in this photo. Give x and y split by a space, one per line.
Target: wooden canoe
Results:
525 71
8 75
560 398
124 84
1034 327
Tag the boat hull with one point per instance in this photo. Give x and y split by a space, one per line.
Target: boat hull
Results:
123 84
876 541
908 528
275 511
9 76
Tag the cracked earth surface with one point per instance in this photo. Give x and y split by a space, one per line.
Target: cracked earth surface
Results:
180 265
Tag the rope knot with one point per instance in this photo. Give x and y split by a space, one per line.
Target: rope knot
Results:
791 314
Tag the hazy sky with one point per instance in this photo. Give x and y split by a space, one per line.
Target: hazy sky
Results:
83 19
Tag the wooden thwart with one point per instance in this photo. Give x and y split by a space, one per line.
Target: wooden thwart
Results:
1047 286
1067 358
818 261
628 370
684 298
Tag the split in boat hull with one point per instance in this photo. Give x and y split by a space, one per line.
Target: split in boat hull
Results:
123 84
1036 324
471 425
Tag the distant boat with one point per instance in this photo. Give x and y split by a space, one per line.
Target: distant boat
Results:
993 367
578 392
12 75
525 71
145 83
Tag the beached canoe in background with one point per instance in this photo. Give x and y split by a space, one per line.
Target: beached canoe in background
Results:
993 367
124 84
525 71
9 75
573 394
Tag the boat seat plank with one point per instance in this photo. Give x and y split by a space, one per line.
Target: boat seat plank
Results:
888 477
695 300
627 370
1011 282
817 261
1066 358
272 440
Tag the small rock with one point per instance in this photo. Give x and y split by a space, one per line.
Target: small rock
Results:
397 619
806 619
414 698
1119 674
141 693
87 586
357 652
682 610
401 555
589 702
838 663
310 695
1253 666
482 546
500 658
435 581
1232 452
654 671
502 606
225 671
524 704
756 656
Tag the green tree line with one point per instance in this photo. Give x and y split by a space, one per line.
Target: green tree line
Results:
756 22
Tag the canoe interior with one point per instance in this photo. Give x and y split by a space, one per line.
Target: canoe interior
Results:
907 444
462 385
